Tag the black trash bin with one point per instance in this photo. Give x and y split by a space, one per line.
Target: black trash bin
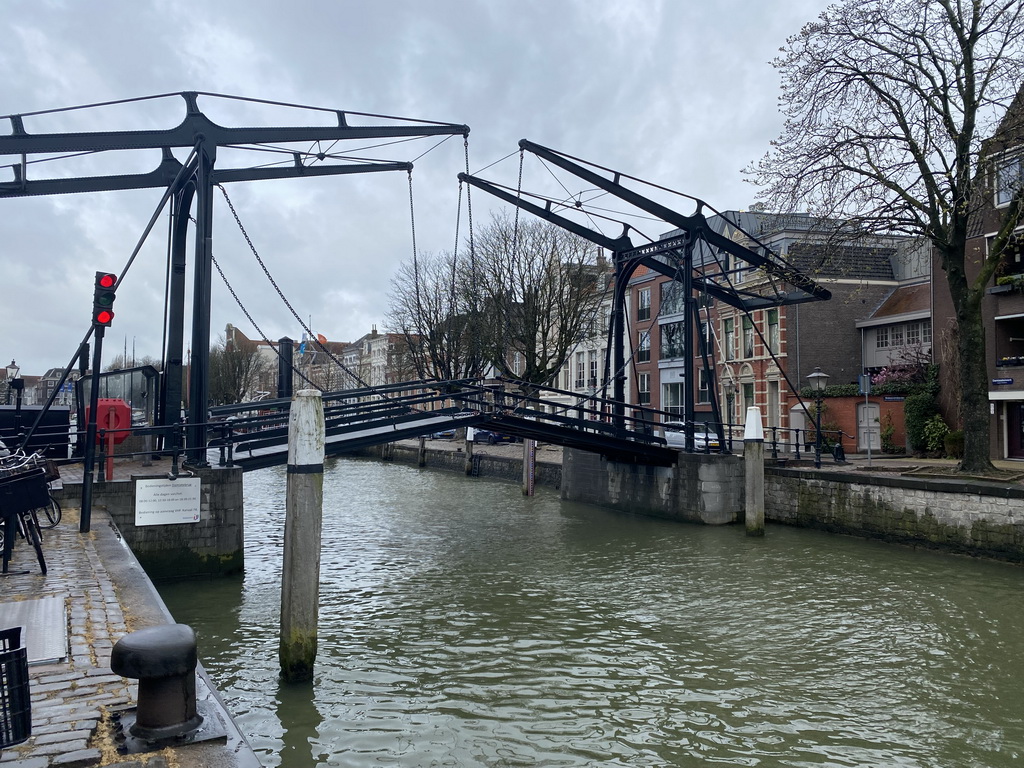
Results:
15 704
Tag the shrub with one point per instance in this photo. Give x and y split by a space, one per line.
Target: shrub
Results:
886 431
954 444
918 409
935 431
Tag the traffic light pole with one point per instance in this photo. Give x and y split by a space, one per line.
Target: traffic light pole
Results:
89 460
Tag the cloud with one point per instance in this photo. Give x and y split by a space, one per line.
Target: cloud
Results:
678 93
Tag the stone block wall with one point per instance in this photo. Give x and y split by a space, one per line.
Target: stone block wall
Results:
214 546
982 519
502 467
700 488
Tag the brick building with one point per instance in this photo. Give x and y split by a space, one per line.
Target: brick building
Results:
762 358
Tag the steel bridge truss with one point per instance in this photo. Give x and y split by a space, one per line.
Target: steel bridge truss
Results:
195 180
692 258
255 435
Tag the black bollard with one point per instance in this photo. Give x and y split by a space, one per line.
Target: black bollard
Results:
163 659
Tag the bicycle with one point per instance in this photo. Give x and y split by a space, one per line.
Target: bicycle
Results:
18 461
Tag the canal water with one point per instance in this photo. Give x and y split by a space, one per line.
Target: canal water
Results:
462 624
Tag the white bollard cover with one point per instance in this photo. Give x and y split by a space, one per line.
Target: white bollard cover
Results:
753 430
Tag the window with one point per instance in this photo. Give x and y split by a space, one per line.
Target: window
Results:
566 375
914 334
643 304
896 336
643 388
1009 172
703 390
748 398
673 338
882 338
643 347
592 359
672 398
926 331
672 298
730 338
581 370
774 338
706 346
748 337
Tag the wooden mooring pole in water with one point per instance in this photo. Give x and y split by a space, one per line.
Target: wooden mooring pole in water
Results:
300 582
753 460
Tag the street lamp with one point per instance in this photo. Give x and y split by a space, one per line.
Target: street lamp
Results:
819 381
12 374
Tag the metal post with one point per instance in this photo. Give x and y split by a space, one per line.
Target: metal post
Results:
817 430
199 383
85 519
300 583
285 349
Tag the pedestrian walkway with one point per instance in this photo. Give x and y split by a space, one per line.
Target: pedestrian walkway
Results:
101 593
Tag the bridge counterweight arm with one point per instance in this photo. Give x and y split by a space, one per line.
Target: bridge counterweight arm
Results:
696 224
615 245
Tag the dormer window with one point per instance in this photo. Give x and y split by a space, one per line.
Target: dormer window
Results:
1008 177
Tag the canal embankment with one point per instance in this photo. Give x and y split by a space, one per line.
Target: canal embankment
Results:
94 593
903 500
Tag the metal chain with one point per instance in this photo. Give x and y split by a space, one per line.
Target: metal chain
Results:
309 332
415 256
469 219
254 325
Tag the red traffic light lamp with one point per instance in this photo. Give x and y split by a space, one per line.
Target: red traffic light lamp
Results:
103 299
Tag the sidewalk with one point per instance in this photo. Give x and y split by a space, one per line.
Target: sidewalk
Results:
99 593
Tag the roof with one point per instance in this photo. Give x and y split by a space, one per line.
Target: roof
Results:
844 261
906 302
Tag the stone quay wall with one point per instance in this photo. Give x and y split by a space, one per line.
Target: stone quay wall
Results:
214 546
485 465
977 518
698 489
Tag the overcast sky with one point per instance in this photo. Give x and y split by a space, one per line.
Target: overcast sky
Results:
677 92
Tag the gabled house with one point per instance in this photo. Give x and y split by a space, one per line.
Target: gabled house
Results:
762 358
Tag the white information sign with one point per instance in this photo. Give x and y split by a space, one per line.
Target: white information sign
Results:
165 502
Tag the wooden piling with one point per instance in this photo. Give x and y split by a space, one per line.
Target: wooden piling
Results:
529 466
300 583
753 460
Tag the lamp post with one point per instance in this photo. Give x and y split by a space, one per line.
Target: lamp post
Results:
12 374
819 381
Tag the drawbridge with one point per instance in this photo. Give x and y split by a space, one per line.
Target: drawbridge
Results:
255 435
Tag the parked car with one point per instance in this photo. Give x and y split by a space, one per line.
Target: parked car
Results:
443 434
492 438
704 438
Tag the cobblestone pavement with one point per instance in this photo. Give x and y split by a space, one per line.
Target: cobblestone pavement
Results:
70 698
106 595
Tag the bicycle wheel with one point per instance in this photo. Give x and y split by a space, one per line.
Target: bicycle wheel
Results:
51 513
30 530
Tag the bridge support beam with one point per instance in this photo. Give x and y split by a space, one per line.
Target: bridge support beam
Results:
300 583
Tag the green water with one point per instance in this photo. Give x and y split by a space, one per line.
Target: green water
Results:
464 625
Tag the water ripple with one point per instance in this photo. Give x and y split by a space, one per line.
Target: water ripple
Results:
462 624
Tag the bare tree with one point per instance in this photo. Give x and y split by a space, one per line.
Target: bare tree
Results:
432 306
540 288
888 104
235 370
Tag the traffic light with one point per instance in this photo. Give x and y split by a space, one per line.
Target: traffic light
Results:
103 298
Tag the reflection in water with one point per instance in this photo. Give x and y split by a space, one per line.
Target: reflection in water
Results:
463 624
297 712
